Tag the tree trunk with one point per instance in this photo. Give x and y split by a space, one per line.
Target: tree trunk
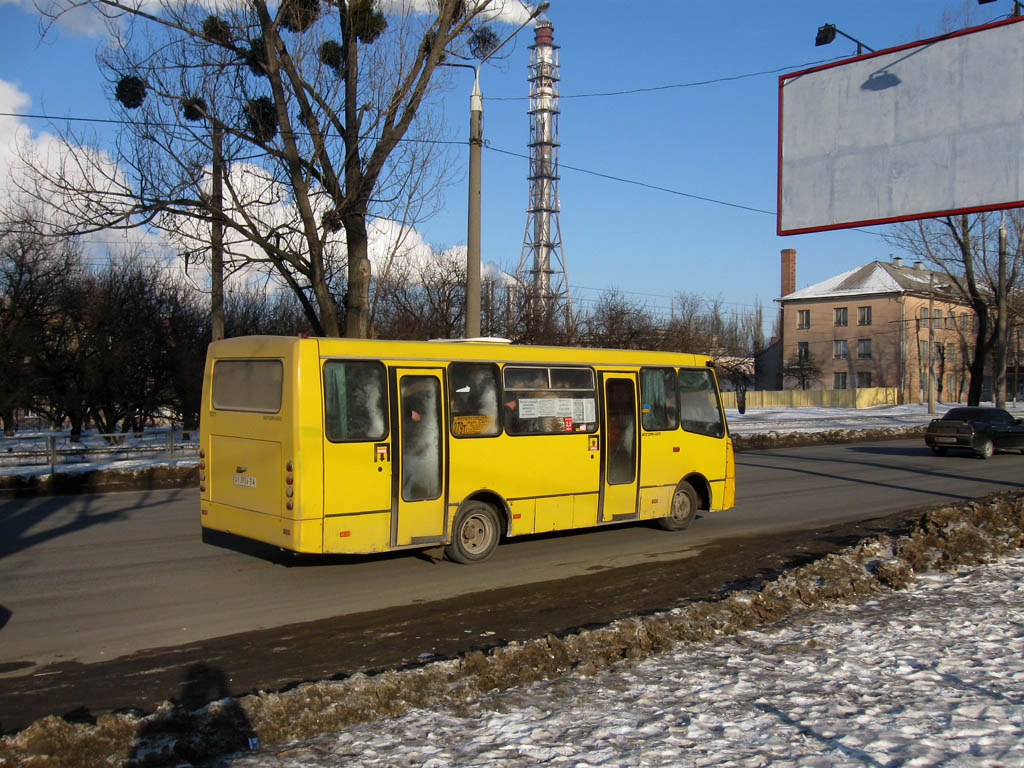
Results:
357 302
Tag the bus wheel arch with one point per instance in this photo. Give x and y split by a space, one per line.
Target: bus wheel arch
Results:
476 532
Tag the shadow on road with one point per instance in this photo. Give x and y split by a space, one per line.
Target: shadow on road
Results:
28 522
204 723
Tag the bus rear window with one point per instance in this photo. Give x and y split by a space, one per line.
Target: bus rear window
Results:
247 385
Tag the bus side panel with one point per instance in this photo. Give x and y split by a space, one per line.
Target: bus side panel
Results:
584 510
661 468
357 534
705 456
524 513
554 514
552 469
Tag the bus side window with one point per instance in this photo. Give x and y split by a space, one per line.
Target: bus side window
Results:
355 401
557 400
658 399
698 403
473 388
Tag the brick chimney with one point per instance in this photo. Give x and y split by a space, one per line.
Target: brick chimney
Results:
788 271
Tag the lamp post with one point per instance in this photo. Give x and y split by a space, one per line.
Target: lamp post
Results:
827 33
476 142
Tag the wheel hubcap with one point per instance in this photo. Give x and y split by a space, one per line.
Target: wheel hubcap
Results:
475 534
681 506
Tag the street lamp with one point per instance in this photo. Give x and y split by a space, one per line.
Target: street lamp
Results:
827 33
476 142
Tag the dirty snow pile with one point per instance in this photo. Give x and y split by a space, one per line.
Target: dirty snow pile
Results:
930 676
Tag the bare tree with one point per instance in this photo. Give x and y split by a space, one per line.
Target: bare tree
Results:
985 271
285 125
34 270
804 370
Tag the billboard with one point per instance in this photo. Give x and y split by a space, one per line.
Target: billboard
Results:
931 128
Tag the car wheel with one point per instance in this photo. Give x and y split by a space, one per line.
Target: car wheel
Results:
684 509
475 534
938 450
985 449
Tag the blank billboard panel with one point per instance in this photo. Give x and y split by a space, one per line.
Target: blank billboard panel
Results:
927 129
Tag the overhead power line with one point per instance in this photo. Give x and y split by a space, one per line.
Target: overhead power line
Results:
672 86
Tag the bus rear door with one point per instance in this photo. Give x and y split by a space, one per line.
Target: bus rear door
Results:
420 489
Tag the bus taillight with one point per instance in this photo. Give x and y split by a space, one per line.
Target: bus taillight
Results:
289 490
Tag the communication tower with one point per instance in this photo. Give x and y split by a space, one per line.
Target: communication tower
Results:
542 262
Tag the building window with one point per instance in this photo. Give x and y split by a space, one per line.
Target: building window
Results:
863 379
863 315
950 353
839 380
803 351
840 351
963 321
841 317
922 350
937 318
863 349
803 318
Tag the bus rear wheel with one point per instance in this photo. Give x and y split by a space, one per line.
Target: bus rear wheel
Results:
475 533
684 508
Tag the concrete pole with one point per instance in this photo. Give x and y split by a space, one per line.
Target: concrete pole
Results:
476 142
217 240
931 343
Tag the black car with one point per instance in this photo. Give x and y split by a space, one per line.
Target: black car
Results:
982 430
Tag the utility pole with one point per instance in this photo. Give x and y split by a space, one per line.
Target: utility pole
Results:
931 342
999 352
217 239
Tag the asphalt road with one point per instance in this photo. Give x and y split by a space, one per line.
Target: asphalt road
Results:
85 580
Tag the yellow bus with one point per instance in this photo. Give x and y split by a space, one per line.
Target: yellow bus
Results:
356 446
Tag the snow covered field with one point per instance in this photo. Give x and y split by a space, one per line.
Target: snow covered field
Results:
930 676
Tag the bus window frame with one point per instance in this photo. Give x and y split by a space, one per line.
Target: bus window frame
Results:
594 425
386 402
226 362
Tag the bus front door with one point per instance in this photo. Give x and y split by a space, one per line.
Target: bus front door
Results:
620 478
419 488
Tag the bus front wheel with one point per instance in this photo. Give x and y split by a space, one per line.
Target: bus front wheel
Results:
684 508
474 535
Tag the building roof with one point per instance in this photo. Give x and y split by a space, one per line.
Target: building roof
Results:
874 278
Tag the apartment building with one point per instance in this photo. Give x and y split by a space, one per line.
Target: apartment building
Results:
874 326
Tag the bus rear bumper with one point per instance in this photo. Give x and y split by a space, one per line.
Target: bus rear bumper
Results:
294 535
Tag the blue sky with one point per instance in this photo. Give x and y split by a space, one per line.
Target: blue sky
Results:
717 140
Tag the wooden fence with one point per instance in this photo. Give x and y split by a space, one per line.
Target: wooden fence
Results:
816 398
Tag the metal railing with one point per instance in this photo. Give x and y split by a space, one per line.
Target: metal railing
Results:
56 448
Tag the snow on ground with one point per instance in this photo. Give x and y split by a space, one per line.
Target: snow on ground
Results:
930 676
789 420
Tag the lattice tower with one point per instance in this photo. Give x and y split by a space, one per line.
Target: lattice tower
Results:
542 261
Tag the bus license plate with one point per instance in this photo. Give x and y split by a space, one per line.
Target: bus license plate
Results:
246 481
